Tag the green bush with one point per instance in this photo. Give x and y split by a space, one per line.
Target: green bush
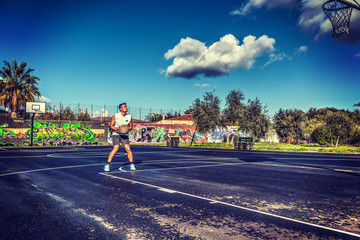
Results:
321 135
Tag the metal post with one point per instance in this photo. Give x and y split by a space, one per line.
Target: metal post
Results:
60 112
32 130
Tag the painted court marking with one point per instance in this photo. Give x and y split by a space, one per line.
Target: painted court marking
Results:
175 168
102 164
187 160
197 161
48 169
212 201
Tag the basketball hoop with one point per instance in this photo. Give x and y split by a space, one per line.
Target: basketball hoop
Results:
34 108
339 14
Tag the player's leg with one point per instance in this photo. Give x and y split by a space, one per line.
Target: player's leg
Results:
130 156
116 143
129 152
113 152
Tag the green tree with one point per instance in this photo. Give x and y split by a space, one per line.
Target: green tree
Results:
309 126
154 117
206 112
17 86
48 115
255 120
64 114
233 112
341 127
289 124
321 135
68 114
84 116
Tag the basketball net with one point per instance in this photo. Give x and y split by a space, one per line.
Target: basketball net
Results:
339 14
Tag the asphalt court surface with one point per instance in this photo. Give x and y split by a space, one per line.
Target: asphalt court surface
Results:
178 193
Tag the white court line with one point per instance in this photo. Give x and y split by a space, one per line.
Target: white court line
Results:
48 169
212 201
22 157
175 168
88 155
315 159
88 165
313 167
225 164
346 170
186 160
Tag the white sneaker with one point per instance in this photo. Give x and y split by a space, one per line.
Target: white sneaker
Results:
107 167
132 167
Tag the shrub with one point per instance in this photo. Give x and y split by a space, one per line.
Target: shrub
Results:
321 135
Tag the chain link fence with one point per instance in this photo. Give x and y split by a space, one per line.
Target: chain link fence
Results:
96 110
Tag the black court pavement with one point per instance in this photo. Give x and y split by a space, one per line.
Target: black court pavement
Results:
178 193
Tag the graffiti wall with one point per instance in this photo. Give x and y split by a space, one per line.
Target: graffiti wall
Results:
52 134
146 133
56 133
221 133
6 133
64 134
161 133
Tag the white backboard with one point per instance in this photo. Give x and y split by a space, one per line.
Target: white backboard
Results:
35 107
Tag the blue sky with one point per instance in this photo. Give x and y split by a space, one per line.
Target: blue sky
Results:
164 54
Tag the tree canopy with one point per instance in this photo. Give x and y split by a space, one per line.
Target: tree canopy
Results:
17 86
206 112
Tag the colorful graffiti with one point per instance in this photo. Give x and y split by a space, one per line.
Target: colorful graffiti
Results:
6 134
152 134
65 134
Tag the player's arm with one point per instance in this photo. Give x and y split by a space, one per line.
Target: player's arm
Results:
112 123
130 125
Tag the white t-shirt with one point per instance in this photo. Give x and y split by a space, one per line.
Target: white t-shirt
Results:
121 120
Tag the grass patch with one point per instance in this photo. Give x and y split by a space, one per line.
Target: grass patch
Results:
208 145
306 148
282 147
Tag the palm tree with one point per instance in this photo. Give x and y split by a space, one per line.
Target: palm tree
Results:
17 86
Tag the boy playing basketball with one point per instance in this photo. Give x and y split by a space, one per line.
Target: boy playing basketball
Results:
121 123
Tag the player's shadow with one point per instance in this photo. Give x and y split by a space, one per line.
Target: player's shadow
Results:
137 162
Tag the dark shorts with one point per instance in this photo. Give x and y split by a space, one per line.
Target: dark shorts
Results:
123 139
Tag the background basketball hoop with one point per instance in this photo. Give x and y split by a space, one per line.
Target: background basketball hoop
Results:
34 107
339 14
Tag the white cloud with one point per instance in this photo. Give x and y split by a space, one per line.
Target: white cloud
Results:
357 55
105 113
311 18
42 99
301 50
192 57
102 113
357 104
274 58
253 4
161 71
201 85
281 56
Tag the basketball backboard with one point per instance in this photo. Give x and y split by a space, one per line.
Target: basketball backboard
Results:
35 107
